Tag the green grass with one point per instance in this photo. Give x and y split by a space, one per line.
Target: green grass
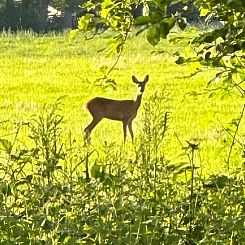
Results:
37 70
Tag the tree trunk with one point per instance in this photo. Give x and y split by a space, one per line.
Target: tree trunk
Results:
9 9
43 15
68 19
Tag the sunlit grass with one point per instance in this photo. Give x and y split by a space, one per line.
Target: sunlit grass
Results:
37 70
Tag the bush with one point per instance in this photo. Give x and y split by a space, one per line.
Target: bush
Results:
56 192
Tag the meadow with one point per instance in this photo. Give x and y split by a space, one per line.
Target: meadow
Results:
171 186
38 70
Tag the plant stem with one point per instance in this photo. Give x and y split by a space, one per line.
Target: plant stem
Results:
191 211
234 137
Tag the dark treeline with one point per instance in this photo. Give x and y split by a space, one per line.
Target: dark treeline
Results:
48 15
38 15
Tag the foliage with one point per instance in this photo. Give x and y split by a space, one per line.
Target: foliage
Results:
61 5
9 14
53 190
33 15
138 198
222 48
117 17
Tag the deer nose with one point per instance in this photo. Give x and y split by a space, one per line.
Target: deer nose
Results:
142 89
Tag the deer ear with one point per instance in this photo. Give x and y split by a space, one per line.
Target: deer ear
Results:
146 78
135 80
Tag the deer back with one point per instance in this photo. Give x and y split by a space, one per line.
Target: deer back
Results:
112 109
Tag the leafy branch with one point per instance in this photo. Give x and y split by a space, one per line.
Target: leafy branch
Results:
116 17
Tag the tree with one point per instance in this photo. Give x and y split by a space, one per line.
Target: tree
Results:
34 15
28 15
221 48
9 14
25 14
42 14
70 9
118 16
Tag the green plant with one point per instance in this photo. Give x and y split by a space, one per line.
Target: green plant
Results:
113 195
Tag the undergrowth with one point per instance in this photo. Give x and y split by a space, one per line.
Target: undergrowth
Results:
54 190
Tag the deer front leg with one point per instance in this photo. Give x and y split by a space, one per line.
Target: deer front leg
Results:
131 130
124 131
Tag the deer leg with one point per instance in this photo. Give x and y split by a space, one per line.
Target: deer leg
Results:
131 130
90 127
124 131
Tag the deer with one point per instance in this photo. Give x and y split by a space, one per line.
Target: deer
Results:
119 110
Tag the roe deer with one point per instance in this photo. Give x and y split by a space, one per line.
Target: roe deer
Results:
120 110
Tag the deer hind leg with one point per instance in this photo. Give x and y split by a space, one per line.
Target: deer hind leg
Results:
90 127
131 130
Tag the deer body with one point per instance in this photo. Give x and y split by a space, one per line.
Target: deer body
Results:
119 110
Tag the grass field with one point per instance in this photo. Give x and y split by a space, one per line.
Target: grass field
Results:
38 70
54 190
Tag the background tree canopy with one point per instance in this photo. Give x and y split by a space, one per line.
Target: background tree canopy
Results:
221 48
38 15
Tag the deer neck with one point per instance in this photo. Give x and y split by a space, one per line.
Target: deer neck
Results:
138 100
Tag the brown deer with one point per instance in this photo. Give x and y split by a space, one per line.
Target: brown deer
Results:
120 110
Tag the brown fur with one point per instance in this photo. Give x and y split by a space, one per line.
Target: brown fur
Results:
120 110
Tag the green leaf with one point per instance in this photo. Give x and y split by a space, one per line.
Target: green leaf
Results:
106 4
180 60
7 146
95 171
153 35
5 188
207 55
164 29
219 47
171 22
205 38
235 62
162 4
204 12
142 20
241 73
156 17
218 63
29 177
219 181
84 21
89 5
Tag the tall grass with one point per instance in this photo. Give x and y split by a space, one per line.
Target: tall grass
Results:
55 191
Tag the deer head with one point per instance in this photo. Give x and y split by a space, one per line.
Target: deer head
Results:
141 85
